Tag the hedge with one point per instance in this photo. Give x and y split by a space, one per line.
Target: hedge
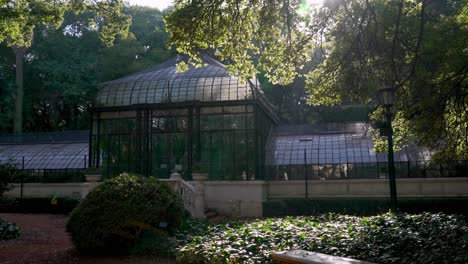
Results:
115 214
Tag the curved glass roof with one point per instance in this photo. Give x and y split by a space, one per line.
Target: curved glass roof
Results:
46 150
331 148
46 156
162 84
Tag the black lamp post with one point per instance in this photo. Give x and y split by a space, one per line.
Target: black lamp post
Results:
386 97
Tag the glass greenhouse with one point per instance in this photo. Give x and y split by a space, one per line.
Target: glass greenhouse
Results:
47 156
341 151
159 121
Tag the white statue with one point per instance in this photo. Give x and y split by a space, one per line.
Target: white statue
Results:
244 176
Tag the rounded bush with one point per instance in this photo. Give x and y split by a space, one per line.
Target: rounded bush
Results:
112 216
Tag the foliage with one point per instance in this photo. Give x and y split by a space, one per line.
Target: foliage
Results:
8 173
240 30
387 238
363 46
63 66
112 216
155 242
18 19
8 230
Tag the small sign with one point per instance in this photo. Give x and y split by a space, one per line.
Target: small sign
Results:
163 166
163 224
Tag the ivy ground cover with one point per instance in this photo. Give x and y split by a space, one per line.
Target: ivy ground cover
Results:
387 238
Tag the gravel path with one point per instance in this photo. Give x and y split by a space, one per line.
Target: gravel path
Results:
44 240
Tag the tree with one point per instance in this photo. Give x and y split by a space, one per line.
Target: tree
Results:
366 43
19 18
63 66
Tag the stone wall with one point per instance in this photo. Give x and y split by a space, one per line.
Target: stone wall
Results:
245 198
418 187
236 198
39 190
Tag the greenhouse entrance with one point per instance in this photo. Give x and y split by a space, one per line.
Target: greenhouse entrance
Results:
158 122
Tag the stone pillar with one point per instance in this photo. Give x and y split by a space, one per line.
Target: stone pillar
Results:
175 176
199 199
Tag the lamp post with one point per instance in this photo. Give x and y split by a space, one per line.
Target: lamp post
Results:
386 97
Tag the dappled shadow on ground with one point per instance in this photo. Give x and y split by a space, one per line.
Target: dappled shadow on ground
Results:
44 240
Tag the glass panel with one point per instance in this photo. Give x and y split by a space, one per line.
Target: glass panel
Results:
250 121
236 121
182 123
211 122
235 109
229 155
216 154
158 124
241 164
117 115
211 110
160 163
179 154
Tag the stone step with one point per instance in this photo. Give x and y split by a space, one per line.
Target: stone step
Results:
308 257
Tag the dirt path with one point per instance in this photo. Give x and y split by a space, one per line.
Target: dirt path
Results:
44 240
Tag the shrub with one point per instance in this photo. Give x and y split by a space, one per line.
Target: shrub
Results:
8 230
387 238
157 243
8 172
113 215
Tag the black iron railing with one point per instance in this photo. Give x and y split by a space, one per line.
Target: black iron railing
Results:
63 170
377 170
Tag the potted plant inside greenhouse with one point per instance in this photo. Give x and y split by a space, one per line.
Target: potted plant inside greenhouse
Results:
93 174
199 171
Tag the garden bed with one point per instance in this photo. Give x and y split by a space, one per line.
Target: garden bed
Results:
387 238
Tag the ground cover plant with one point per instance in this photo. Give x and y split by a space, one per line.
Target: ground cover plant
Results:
8 230
115 215
386 238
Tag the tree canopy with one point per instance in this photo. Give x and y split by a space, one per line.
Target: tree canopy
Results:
19 18
416 46
63 66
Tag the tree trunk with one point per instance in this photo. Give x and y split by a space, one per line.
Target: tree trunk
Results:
18 118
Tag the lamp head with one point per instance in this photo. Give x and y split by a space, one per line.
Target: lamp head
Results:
386 96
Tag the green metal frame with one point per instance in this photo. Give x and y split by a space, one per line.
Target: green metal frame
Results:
104 145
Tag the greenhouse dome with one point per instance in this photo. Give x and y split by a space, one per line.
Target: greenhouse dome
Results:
160 121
